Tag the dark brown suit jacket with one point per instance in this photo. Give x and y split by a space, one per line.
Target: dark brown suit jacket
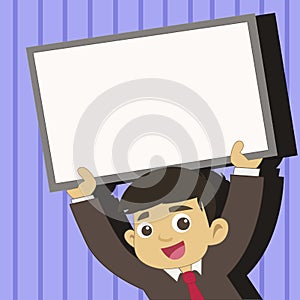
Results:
224 267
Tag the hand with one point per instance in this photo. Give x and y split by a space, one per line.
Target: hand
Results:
87 187
241 161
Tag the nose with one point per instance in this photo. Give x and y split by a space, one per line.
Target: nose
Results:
164 238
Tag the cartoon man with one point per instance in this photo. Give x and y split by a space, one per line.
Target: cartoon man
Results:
197 243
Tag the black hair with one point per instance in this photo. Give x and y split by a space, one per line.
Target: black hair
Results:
175 184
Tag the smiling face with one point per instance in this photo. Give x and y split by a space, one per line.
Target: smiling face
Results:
174 235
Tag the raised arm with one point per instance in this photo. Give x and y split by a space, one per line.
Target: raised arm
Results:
268 215
241 211
100 236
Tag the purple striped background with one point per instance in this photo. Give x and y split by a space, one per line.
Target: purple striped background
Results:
43 256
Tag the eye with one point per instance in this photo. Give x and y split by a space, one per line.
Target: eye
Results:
144 230
181 222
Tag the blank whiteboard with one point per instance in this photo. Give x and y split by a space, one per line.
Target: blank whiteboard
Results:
125 103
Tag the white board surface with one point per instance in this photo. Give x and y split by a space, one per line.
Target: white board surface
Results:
216 63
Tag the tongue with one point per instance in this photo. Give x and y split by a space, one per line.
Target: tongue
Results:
175 251
178 253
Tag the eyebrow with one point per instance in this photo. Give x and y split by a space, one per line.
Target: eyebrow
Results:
179 208
144 215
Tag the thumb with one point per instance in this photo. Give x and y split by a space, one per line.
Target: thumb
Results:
86 187
237 148
85 174
240 160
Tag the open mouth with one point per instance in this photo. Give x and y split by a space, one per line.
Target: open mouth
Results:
175 251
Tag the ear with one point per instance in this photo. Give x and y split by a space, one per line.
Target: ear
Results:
129 237
219 231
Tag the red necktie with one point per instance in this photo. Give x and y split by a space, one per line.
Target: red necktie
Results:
190 279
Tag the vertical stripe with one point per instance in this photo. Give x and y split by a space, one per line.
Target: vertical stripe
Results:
64 196
212 9
65 246
90 255
141 14
165 12
261 6
262 277
287 162
65 20
90 18
140 294
190 11
237 7
40 22
15 150
287 229
115 30
293 73
115 16
40 177
90 275
6 157
115 288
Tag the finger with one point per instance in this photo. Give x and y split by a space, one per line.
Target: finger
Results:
237 147
254 163
87 187
239 160
85 174
75 193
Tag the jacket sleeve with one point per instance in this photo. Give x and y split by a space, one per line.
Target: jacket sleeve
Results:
268 215
106 245
241 211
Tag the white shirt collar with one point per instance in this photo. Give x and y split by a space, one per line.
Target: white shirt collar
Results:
174 273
